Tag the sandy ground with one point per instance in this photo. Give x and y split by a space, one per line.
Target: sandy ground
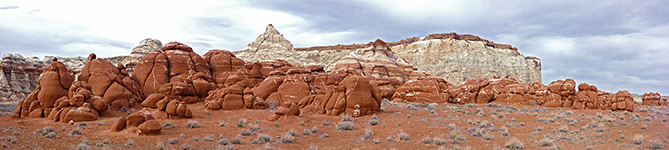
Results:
400 126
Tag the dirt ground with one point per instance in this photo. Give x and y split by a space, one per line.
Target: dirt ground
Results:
398 126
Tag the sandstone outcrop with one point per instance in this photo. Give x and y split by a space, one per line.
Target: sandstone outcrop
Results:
651 99
429 90
456 58
140 122
162 107
112 83
377 60
53 84
18 76
622 100
175 71
354 95
272 45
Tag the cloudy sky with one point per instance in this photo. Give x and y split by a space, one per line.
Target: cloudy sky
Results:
612 44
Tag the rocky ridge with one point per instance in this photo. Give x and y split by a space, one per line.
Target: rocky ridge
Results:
454 57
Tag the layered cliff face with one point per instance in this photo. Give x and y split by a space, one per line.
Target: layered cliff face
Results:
18 76
460 60
451 56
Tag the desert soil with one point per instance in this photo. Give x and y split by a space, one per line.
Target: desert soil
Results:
422 126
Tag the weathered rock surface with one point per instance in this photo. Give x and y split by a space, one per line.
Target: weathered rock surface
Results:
111 83
140 122
377 60
430 90
651 99
18 76
454 57
272 45
174 71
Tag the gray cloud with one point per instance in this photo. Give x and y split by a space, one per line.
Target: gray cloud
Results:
9 7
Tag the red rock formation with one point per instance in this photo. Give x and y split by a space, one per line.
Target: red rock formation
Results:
651 99
622 101
354 95
223 64
54 83
112 83
431 90
174 72
664 102
140 122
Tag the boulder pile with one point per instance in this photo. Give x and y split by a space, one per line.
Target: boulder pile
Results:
651 99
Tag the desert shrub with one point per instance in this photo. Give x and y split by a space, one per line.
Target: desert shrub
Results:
545 142
172 141
346 118
656 144
426 140
223 142
368 134
75 132
373 122
306 132
236 140
246 132
514 144
51 135
193 124
478 132
345 126
488 137
325 124
505 131
451 126
538 128
314 129
254 128
291 132
638 139
185 146
287 138
644 127
439 141
168 124
265 138
324 135
404 137
210 138
82 146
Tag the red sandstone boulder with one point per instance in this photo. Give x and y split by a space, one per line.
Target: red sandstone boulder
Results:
223 64
110 82
141 122
622 101
651 99
430 90
354 95
176 71
54 83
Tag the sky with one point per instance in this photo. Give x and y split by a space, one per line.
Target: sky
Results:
613 44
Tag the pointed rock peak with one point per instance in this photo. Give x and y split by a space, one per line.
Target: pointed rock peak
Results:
271 30
379 45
